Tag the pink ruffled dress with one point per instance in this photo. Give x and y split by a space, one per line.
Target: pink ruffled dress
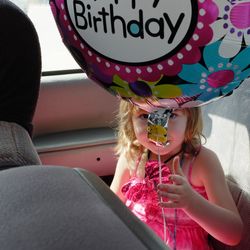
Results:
182 233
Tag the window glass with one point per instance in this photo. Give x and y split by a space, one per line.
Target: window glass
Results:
55 55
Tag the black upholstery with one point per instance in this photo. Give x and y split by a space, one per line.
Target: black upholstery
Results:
20 66
16 147
60 208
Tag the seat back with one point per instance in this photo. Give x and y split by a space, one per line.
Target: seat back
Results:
66 209
242 200
227 127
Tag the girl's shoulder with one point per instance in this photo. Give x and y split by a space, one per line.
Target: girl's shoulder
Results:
121 176
206 154
205 164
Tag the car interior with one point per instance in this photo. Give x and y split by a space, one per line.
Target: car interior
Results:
58 133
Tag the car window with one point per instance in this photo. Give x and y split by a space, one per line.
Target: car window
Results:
55 56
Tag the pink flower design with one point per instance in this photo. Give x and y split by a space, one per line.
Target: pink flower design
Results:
134 190
153 212
232 26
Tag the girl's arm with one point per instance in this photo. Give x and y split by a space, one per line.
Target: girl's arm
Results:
218 216
121 176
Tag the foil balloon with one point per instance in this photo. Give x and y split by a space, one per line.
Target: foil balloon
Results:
159 53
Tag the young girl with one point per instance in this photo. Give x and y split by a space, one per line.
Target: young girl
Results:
191 199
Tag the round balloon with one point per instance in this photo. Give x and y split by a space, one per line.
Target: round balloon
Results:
159 53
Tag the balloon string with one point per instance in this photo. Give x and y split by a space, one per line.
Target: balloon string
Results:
161 200
175 223
173 234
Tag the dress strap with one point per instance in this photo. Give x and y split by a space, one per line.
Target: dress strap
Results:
171 157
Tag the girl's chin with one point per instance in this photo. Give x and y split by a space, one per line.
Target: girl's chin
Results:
159 149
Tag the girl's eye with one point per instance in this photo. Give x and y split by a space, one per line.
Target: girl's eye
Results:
143 116
173 115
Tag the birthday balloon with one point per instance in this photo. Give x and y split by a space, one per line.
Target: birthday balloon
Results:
159 53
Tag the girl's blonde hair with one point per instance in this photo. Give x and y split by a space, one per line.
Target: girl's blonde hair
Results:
128 144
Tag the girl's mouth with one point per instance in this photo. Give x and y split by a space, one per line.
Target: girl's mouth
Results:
159 144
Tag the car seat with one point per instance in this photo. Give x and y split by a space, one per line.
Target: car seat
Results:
60 208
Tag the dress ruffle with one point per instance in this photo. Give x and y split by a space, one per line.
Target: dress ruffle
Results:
142 200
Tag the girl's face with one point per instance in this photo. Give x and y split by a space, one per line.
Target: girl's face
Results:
175 133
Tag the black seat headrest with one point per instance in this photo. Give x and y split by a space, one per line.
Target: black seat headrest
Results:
20 66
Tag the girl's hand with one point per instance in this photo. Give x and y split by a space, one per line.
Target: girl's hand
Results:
180 193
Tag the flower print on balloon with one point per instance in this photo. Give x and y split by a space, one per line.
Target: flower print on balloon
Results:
232 26
218 77
162 93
